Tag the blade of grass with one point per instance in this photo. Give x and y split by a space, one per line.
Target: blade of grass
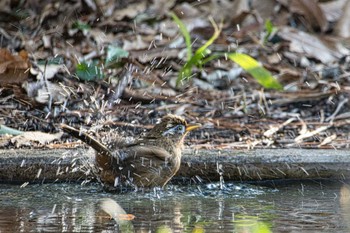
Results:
253 67
202 51
184 33
197 58
212 57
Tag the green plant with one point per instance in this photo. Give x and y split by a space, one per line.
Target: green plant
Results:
89 71
196 58
114 55
203 55
95 70
79 25
270 30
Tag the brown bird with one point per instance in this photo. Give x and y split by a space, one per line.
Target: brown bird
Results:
149 161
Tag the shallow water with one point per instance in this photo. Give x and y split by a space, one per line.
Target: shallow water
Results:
289 207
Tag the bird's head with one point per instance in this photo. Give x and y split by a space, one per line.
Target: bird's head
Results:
172 127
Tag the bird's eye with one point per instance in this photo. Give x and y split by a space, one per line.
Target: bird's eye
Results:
180 128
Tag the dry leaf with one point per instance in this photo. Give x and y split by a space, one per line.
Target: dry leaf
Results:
274 129
238 11
265 9
342 27
186 10
46 92
312 46
50 71
333 9
161 7
328 140
27 138
311 11
13 67
131 11
137 44
309 134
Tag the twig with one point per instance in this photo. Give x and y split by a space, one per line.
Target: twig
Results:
125 79
340 105
311 133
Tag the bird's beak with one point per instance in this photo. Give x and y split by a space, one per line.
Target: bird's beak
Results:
191 127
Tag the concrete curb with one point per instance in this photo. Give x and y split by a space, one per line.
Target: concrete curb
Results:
50 165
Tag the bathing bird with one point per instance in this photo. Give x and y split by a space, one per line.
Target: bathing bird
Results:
149 161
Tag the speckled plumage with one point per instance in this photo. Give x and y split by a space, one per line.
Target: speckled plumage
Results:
149 161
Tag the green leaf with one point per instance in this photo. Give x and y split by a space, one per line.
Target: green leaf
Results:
251 66
89 72
114 55
198 57
58 60
269 26
81 26
270 30
10 131
184 33
203 51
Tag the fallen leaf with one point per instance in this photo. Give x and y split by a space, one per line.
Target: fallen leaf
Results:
342 28
265 9
333 9
47 71
29 137
328 140
238 11
309 134
312 46
186 10
45 92
274 129
13 67
131 11
161 7
311 11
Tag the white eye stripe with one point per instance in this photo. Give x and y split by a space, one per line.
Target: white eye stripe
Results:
178 129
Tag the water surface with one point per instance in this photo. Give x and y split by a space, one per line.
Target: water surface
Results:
287 207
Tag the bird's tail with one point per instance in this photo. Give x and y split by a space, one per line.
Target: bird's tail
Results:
98 146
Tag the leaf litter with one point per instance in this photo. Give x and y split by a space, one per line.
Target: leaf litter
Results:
136 52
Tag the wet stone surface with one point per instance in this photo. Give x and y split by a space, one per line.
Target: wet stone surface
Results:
197 166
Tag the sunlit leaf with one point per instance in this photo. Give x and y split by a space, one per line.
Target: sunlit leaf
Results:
89 72
251 66
114 54
269 26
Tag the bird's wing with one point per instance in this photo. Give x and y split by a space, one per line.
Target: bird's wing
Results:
149 152
99 147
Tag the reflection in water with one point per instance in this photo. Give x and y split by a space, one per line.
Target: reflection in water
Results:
235 208
344 201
